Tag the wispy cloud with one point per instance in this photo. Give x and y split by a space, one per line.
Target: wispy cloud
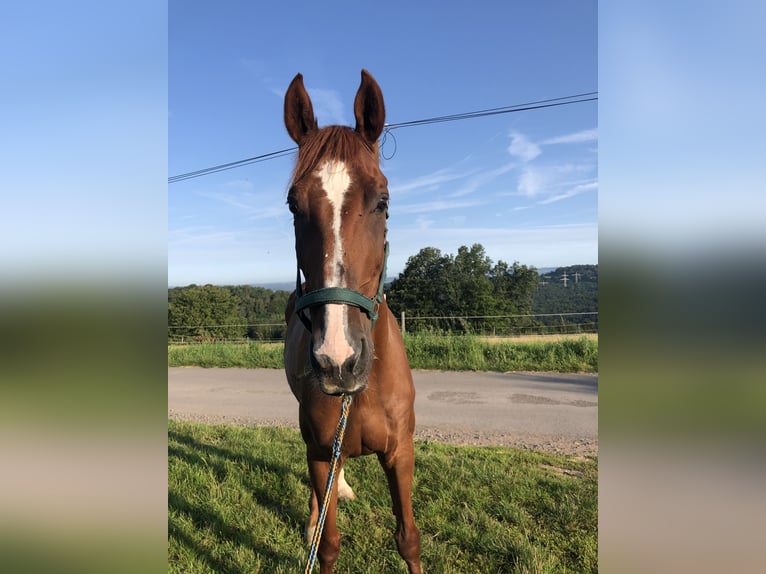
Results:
437 205
328 106
543 183
480 180
547 185
423 222
571 192
221 254
428 182
521 148
577 137
457 220
574 168
532 182
247 203
240 184
475 179
260 69
202 236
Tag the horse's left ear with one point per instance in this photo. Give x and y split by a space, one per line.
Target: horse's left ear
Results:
369 110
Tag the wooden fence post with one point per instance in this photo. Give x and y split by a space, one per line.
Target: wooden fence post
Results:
404 328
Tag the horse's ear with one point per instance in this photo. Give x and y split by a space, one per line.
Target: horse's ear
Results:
299 113
369 110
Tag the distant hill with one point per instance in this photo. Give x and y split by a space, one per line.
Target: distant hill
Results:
283 286
572 289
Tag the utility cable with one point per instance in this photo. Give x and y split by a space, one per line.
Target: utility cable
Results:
536 105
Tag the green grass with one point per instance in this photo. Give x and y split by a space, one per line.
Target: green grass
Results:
467 353
238 501
458 353
251 355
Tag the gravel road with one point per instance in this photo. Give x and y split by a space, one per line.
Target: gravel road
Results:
551 412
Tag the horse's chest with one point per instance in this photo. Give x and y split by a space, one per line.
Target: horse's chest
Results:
373 435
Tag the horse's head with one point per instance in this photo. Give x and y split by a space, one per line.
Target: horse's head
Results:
339 201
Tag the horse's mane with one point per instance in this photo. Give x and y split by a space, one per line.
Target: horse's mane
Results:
340 143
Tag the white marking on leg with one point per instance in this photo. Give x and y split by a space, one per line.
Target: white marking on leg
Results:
335 182
344 490
311 523
308 533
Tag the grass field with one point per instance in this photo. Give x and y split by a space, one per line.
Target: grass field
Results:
238 500
460 353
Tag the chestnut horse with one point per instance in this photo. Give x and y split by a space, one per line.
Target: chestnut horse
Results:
342 339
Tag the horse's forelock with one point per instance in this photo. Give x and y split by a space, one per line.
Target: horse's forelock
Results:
338 143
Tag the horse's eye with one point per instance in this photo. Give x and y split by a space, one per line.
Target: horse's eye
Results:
292 205
382 204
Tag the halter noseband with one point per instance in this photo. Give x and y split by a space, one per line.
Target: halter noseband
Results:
341 295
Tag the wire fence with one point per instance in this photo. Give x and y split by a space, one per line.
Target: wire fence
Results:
509 326
221 333
503 325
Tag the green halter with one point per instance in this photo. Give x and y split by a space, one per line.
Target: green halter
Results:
340 295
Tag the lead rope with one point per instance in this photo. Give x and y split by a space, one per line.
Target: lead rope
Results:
336 450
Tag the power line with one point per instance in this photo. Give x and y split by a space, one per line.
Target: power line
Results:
232 165
563 101
536 105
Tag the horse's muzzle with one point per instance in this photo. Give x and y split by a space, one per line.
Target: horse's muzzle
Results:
348 378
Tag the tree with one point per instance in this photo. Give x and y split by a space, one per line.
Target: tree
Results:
204 312
424 287
470 275
466 285
514 289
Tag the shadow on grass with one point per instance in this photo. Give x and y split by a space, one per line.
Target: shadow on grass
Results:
207 519
204 517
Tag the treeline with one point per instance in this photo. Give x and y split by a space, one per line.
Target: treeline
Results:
207 312
462 293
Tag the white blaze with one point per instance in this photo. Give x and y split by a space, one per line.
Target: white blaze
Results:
335 182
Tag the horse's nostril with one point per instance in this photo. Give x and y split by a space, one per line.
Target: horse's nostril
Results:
360 361
324 364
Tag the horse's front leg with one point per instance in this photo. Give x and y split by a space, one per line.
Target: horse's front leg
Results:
329 547
399 468
311 523
345 492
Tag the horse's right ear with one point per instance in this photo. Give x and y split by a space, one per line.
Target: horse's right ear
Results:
299 113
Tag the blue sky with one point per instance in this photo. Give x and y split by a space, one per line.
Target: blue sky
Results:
84 142
524 185
93 90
